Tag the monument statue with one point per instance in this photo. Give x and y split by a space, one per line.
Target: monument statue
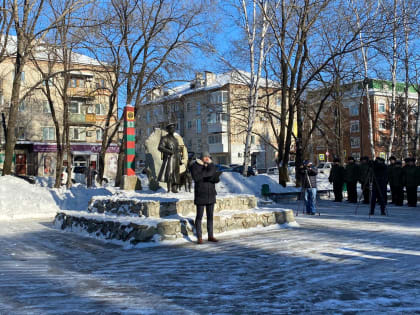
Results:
171 159
154 159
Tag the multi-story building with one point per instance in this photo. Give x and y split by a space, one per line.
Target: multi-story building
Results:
345 117
35 151
211 115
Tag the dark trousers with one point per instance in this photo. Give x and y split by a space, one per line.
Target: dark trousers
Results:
338 191
411 196
352 192
378 193
398 195
366 193
199 219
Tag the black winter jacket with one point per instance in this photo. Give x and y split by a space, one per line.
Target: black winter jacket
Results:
312 172
204 183
336 174
381 173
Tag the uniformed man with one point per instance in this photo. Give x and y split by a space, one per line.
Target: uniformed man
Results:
365 176
337 179
395 179
411 181
351 176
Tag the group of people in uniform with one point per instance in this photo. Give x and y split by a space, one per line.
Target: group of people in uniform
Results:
374 176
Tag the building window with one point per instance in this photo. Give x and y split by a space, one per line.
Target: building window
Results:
189 124
21 106
77 133
354 126
99 134
46 107
356 155
50 82
215 139
189 107
355 142
91 109
20 133
81 83
382 124
74 108
48 133
73 83
198 125
198 108
22 76
354 110
99 109
148 131
252 139
382 155
148 116
219 97
381 108
278 101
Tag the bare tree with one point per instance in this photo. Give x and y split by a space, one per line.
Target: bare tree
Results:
29 34
155 36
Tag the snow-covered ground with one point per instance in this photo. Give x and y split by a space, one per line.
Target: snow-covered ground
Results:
336 263
21 200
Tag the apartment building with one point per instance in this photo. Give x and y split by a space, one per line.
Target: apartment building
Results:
210 113
35 151
346 112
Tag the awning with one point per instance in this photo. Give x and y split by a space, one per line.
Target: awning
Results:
81 73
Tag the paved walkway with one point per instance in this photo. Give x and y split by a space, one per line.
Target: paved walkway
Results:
335 263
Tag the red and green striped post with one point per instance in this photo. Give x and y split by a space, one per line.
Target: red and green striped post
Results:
130 140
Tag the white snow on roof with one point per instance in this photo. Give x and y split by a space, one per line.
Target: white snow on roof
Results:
232 77
42 53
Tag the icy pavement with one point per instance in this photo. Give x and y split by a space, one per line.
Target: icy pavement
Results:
335 263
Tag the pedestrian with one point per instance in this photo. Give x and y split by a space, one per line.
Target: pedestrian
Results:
411 181
205 177
365 175
337 179
351 176
391 168
380 180
396 182
308 175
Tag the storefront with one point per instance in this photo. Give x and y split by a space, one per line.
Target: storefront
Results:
81 155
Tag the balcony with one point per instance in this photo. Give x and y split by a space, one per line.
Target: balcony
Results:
82 119
218 148
217 127
79 92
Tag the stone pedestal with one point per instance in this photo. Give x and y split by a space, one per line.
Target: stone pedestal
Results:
130 183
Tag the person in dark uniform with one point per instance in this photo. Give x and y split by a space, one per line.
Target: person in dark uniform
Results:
411 181
205 177
337 179
396 182
351 176
380 180
391 168
364 169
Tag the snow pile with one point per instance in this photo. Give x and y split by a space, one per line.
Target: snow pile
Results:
21 200
235 183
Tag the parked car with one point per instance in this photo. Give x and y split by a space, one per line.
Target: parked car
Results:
239 169
273 171
324 167
222 167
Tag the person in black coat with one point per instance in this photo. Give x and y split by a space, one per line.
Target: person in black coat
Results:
380 181
351 176
205 177
337 179
365 177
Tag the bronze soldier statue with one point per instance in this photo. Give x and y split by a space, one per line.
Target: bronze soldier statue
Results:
169 171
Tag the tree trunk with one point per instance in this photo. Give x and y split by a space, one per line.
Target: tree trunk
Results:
394 81
12 121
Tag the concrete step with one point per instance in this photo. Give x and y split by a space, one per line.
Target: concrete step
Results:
163 207
135 230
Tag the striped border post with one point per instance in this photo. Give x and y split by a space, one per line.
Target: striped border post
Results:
130 140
